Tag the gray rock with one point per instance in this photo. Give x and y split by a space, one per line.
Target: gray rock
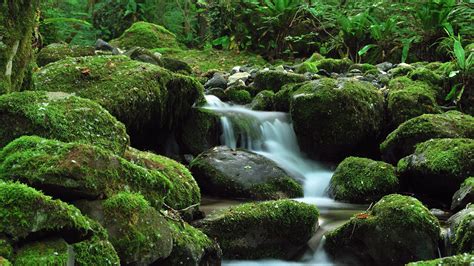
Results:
464 195
217 81
385 66
240 76
103 45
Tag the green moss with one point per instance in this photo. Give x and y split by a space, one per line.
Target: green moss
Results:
200 131
263 101
146 35
364 68
361 180
438 166
46 252
408 99
274 80
57 51
405 229
334 65
427 75
60 116
4 261
145 97
307 67
351 112
459 260
462 237
262 230
402 141
401 70
184 191
239 96
17 21
282 98
6 249
75 171
24 211
95 251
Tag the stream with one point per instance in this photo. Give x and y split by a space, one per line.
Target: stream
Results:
271 134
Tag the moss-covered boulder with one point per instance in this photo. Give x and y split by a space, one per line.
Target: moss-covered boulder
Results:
272 229
427 75
148 56
224 172
200 131
274 80
238 95
461 227
459 260
464 195
438 167
150 100
139 233
361 180
334 65
59 116
403 140
191 247
408 99
397 230
72 171
282 99
263 101
146 35
57 51
17 22
336 118
184 191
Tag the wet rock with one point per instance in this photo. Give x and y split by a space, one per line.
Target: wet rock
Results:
262 230
241 76
464 195
217 81
238 95
361 180
336 118
200 132
263 101
224 172
397 230
60 116
218 92
461 227
403 140
438 167
463 259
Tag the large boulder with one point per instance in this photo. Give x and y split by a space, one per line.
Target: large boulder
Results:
191 247
73 171
225 172
59 116
438 167
336 118
139 233
150 100
263 101
184 191
17 22
461 226
200 131
274 80
361 180
402 141
272 229
407 99
461 260
146 35
397 230
28 216
464 195
57 51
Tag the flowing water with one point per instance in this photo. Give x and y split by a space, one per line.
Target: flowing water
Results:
271 134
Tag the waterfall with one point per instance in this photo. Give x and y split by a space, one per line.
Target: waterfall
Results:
270 134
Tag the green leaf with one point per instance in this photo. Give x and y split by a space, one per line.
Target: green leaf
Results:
460 54
365 49
452 94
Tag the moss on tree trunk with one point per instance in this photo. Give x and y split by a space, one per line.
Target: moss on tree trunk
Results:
17 19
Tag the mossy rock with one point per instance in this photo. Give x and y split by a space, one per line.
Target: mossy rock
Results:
403 140
334 65
361 180
57 51
274 80
401 70
238 96
426 75
272 229
147 56
191 247
224 172
464 195
146 35
176 65
4 262
56 251
26 212
17 22
438 167
73 171
59 116
150 100
263 101
184 191
139 233
282 99
364 68
397 230
306 67
408 99
462 231
200 131
336 118
459 260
